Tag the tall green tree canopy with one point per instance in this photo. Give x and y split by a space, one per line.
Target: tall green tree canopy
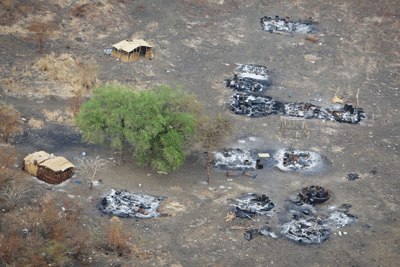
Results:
157 123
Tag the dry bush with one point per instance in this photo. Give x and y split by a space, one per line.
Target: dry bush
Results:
8 158
12 192
79 74
47 225
80 10
75 102
10 247
35 124
42 29
10 121
90 166
116 238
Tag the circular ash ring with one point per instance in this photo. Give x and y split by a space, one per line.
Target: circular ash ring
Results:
315 195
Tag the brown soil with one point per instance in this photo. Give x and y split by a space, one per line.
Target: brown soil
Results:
197 43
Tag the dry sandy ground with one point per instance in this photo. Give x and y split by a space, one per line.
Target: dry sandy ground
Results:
198 43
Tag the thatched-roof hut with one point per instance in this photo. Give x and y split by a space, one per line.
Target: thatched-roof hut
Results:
130 50
46 167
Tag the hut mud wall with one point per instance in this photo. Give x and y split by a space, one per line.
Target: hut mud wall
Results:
52 177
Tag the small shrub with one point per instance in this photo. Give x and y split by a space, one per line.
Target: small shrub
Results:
14 191
75 102
56 252
10 121
116 238
8 158
10 247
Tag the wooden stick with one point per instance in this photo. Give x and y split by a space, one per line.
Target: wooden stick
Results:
357 95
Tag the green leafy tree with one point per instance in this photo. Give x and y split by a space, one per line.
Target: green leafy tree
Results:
158 123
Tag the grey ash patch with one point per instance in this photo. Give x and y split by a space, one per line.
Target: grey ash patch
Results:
235 160
250 78
125 205
285 25
252 205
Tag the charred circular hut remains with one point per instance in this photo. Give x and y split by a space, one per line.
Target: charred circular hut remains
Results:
315 195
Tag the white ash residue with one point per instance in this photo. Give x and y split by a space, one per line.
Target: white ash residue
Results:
234 159
308 231
341 218
252 205
271 25
250 78
125 205
307 161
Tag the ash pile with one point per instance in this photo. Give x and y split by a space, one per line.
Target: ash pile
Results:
125 205
252 205
346 114
298 160
306 225
285 25
308 231
235 160
257 106
250 78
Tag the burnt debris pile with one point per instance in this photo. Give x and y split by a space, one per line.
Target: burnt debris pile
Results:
235 160
307 231
353 176
315 195
250 78
285 25
346 114
252 205
257 106
125 205
298 160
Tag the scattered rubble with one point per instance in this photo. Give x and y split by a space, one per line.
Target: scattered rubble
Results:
250 78
234 159
353 176
252 205
285 25
125 205
308 231
257 106
248 235
315 195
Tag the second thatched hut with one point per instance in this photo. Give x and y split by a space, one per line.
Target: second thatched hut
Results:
130 50
47 167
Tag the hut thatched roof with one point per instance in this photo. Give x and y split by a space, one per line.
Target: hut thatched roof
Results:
57 164
130 45
39 156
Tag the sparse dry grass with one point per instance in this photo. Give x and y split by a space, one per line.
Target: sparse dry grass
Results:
10 121
59 116
35 123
